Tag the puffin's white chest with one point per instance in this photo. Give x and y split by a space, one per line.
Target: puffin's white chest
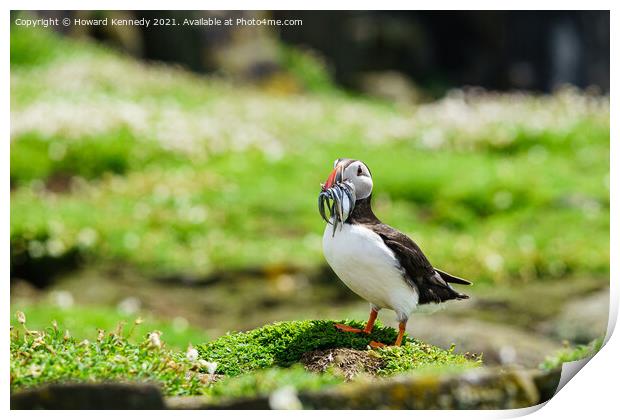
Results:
368 267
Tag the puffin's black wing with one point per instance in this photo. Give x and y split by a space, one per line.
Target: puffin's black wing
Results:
432 284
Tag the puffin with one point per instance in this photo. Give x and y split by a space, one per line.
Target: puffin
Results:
377 262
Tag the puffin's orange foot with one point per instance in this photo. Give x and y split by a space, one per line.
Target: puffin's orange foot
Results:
376 345
346 328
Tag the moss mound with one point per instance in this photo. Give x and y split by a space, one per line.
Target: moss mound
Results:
285 343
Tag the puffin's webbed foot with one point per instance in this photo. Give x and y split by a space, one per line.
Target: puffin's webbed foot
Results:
347 328
377 345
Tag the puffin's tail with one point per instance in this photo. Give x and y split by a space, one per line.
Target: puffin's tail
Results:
449 278
437 288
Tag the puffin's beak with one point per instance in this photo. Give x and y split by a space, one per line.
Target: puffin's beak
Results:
333 178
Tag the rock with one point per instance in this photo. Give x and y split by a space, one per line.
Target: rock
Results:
202 403
499 344
483 388
475 389
89 396
581 321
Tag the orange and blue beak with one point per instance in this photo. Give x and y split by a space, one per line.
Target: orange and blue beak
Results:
333 178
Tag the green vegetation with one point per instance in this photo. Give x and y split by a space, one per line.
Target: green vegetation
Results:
571 354
39 357
86 321
54 355
307 68
266 381
31 48
115 161
282 344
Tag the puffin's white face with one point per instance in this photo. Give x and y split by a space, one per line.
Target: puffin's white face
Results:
354 171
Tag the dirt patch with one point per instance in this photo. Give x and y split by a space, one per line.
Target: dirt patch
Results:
347 361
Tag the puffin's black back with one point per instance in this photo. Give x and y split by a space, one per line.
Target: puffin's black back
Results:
431 284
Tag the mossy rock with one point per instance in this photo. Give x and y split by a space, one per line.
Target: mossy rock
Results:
285 343
90 396
484 388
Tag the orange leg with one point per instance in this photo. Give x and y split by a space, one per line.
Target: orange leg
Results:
401 332
369 325
371 321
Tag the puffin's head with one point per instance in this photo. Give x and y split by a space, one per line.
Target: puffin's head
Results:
349 182
353 171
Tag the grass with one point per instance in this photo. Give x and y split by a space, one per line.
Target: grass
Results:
48 356
86 321
159 168
571 354
251 363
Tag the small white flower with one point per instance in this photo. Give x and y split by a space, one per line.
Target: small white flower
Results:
55 247
38 342
21 317
493 261
155 339
62 298
36 249
36 370
285 399
87 237
129 305
507 355
192 354
210 366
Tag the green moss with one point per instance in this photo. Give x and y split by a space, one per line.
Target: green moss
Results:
282 344
265 381
416 355
571 354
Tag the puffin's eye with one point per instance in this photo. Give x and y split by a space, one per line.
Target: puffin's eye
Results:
359 170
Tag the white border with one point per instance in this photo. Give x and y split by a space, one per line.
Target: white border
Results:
593 394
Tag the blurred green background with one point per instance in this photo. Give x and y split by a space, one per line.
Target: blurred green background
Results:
188 197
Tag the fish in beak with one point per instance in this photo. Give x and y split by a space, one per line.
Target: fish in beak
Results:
337 197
